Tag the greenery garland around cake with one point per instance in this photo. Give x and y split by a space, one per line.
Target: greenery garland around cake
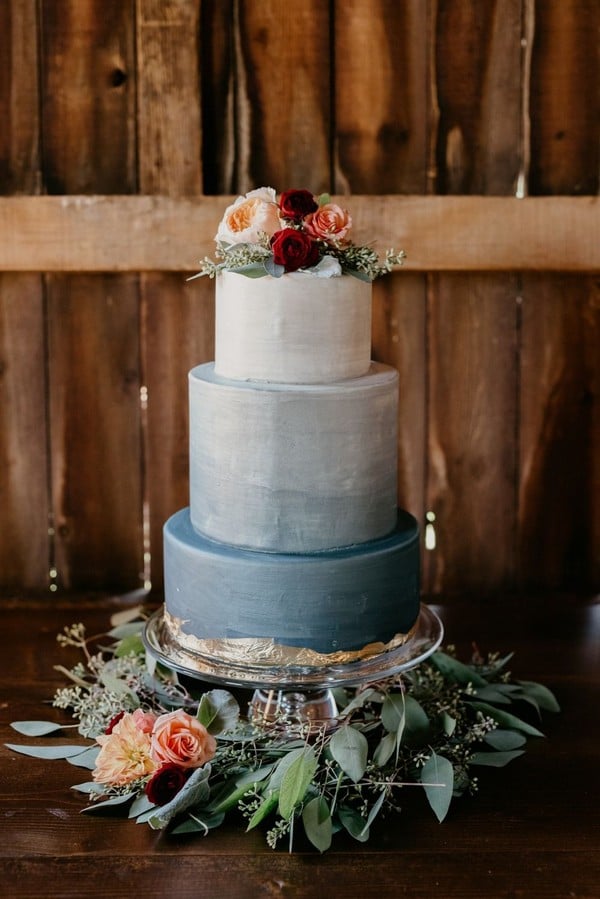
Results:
260 235
184 761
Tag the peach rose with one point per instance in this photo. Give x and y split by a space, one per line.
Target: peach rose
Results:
250 215
125 753
180 739
330 222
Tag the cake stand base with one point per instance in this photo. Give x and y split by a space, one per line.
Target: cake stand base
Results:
295 695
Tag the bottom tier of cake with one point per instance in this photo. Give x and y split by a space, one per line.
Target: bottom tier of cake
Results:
331 602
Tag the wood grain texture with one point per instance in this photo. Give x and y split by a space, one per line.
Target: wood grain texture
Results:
380 147
504 841
177 318
93 358
455 233
218 80
472 450
282 111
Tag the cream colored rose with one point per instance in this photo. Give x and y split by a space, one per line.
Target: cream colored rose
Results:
180 739
250 215
330 222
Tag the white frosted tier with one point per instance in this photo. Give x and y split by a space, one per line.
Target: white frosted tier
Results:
297 329
293 468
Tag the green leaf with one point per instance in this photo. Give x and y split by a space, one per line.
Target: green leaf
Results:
491 694
323 199
456 671
272 268
118 686
268 805
505 719
36 728
126 616
495 759
317 823
283 764
354 823
503 740
375 809
296 781
90 786
49 752
218 711
448 723
126 630
542 695
384 750
195 791
252 270
393 711
200 822
350 749
437 777
85 759
230 795
132 645
416 718
99 808
140 806
359 701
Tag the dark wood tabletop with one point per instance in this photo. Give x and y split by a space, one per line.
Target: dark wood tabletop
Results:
532 830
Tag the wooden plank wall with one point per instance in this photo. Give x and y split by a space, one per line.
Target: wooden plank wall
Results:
499 433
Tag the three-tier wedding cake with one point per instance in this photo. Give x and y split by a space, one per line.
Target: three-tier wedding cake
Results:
292 550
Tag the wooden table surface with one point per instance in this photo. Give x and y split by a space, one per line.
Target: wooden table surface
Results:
531 831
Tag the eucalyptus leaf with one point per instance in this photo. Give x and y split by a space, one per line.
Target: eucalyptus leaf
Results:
126 630
359 701
140 805
48 752
268 805
448 723
272 268
230 795
544 697
393 711
456 671
350 749
118 686
416 718
491 694
36 728
296 781
100 808
85 759
503 740
317 823
384 750
125 616
195 791
353 823
374 811
218 711
199 822
505 719
283 764
437 777
495 759
90 786
253 270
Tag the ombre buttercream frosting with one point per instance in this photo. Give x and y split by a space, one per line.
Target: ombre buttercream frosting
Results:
293 468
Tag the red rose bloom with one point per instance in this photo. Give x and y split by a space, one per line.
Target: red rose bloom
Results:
165 784
293 249
295 204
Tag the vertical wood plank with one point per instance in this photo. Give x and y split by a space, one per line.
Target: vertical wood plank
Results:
178 318
559 491
218 96
282 111
381 119
24 544
472 318
88 121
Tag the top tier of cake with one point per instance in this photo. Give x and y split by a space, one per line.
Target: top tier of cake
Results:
298 329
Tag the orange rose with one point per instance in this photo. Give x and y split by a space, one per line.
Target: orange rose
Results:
180 739
249 216
330 222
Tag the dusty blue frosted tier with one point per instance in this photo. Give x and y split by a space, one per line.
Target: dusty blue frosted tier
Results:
330 601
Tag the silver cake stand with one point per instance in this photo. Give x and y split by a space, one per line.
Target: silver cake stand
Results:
298 693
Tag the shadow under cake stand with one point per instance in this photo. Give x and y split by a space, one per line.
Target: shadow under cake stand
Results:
302 694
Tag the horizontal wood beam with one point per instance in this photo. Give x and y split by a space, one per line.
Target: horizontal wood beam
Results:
449 233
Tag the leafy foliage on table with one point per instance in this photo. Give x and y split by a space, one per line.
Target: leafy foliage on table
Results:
429 728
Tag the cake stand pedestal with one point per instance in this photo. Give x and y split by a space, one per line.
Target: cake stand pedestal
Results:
298 694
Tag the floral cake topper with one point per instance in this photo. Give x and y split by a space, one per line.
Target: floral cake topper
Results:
261 235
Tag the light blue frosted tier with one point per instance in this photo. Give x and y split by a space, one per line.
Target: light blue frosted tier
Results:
330 601
293 468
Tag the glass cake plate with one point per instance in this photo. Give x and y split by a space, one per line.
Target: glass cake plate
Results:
421 642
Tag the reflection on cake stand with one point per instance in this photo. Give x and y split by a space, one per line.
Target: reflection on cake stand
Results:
300 693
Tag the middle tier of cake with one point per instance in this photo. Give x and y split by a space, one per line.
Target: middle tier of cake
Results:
293 468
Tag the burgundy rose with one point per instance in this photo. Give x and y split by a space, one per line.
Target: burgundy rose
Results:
165 784
295 204
113 722
293 249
